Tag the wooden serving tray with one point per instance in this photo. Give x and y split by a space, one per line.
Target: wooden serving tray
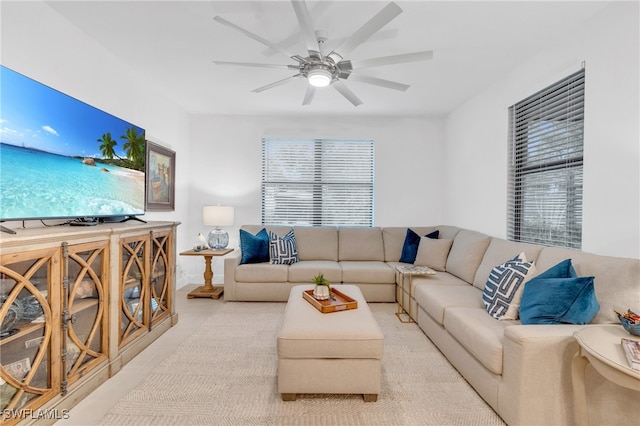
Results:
340 301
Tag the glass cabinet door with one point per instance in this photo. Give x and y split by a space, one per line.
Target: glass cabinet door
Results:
29 345
84 312
134 316
160 276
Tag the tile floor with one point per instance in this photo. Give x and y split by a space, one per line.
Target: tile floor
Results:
191 313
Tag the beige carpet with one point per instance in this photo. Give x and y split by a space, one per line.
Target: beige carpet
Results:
419 387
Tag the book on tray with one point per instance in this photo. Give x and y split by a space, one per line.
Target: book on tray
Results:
632 351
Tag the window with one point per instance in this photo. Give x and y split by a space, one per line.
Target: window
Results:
545 165
317 182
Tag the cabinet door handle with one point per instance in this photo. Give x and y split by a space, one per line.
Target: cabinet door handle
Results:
68 318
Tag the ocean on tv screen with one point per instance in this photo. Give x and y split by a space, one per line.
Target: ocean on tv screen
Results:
45 185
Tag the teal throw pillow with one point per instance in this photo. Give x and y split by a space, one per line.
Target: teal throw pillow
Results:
411 243
563 269
255 248
547 299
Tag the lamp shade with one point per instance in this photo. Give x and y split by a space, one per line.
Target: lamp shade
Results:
217 215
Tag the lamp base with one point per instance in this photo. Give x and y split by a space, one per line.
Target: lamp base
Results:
218 239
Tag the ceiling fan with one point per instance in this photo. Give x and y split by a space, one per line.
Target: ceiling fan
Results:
332 69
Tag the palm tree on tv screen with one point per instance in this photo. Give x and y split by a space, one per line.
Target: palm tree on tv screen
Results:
134 147
107 144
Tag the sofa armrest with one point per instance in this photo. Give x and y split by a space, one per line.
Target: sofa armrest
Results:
537 384
231 262
537 387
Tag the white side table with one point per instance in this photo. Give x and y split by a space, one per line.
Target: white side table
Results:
409 270
600 346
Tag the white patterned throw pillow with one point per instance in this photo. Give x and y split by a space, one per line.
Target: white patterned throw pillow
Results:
503 290
283 250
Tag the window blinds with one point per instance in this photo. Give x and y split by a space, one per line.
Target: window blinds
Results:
317 182
545 165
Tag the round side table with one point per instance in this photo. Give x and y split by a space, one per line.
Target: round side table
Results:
600 346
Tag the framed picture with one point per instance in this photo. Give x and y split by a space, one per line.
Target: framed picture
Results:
161 179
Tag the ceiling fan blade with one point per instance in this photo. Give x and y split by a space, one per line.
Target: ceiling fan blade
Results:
277 83
382 18
308 96
344 91
392 60
252 64
316 10
387 34
379 82
252 35
306 25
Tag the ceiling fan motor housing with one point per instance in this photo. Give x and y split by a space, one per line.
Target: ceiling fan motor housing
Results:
313 65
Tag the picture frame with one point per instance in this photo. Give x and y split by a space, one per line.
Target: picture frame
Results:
160 178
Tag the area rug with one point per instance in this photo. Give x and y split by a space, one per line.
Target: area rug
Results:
225 374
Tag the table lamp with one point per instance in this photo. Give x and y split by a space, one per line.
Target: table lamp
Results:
218 216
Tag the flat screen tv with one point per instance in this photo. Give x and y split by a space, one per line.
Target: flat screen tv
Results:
62 158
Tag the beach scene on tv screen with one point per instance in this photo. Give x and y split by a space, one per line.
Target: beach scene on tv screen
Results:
63 158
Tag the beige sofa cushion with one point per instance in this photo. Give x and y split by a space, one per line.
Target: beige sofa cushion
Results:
280 230
262 273
498 252
305 270
360 244
436 298
440 278
447 231
317 242
367 272
466 254
433 253
479 333
617 281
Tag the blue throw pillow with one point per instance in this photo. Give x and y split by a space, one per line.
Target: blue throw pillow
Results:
411 243
563 269
255 248
547 299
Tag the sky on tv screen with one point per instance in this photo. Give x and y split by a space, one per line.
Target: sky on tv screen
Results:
36 116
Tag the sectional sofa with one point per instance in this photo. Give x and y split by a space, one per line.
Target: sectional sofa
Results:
522 371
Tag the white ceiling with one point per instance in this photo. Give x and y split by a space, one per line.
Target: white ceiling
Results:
172 45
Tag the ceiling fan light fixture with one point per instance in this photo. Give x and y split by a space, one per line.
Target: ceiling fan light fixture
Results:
319 77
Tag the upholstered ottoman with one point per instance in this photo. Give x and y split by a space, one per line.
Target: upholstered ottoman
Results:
337 352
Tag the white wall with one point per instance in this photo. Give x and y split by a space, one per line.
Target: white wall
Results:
227 167
427 170
475 153
40 44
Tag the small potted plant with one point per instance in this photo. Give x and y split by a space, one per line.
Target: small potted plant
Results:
322 290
